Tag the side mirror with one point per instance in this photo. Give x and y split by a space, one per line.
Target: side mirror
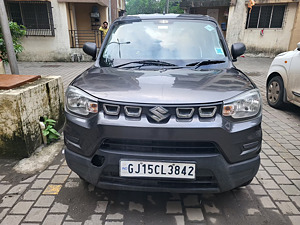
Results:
90 49
237 49
298 46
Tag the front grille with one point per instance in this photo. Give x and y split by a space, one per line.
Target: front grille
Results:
154 146
205 179
161 113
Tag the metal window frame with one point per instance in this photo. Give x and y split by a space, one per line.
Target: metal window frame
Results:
258 20
35 31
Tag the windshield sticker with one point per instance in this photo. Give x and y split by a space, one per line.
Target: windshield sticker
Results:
209 28
219 51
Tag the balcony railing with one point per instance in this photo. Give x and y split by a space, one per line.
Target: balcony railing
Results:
79 37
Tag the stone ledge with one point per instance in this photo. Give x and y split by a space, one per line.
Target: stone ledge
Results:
20 110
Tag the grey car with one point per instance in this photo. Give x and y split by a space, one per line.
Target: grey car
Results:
164 109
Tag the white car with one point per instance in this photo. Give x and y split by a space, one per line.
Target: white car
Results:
283 81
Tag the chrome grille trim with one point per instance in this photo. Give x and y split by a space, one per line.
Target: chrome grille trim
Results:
111 110
207 112
129 111
182 115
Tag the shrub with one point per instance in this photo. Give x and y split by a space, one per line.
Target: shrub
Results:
17 32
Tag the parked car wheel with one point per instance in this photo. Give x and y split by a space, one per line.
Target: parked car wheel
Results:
275 91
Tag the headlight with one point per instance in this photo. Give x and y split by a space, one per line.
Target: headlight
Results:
244 105
80 102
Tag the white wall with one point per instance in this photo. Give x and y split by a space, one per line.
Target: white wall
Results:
57 48
272 42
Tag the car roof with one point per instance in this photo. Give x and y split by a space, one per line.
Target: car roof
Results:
165 16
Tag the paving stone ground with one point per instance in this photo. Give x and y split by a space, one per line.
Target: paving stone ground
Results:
58 196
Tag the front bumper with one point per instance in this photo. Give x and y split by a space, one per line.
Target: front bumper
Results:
226 152
213 173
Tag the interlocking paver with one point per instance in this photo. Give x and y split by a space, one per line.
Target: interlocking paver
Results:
174 207
46 174
267 202
113 223
36 215
72 223
32 194
211 208
38 184
44 201
290 189
59 179
9 200
29 180
3 213
296 200
179 220
273 170
4 188
295 220
194 214
101 206
18 189
284 166
115 216
258 190
269 184
21 207
136 206
287 208
278 195
53 219
292 174
59 208
282 180
12 219
64 170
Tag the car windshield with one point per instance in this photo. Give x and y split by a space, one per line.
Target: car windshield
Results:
176 41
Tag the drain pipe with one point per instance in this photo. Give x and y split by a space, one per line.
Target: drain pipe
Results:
42 128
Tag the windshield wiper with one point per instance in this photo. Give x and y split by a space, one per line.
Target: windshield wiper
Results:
205 62
147 62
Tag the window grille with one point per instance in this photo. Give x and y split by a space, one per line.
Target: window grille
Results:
36 16
267 16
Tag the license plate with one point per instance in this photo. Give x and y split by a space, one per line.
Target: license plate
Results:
130 168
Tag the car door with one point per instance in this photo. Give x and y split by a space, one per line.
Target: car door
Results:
294 78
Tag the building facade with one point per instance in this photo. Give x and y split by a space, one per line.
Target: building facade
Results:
57 29
270 27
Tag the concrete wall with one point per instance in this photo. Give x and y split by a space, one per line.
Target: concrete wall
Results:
57 48
295 36
20 111
271 43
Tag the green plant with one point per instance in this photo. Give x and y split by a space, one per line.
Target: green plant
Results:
17 32
50 132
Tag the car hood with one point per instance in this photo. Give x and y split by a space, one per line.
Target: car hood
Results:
172 86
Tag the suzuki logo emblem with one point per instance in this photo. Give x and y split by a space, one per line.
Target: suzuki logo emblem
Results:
159 113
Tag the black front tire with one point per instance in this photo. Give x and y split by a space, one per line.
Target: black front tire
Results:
275 90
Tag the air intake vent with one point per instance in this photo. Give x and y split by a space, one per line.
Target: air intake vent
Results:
185 113
111 110
207 112
133 111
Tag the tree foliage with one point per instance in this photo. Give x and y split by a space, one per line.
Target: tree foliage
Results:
134 7
17 32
